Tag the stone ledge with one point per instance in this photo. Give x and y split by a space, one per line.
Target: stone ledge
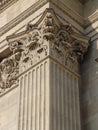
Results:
4 5
22 16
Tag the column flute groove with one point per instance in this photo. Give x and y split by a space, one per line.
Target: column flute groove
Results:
34 99
29 100
66 101
20 103
62 99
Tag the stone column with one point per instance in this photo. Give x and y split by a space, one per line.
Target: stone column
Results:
64 98
34 98
49 74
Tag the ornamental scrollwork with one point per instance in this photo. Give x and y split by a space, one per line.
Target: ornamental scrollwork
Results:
34 39
48 37
9 71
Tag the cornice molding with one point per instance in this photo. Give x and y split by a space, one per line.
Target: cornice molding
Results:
6 4
22 16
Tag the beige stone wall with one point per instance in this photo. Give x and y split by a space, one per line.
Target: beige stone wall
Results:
9 110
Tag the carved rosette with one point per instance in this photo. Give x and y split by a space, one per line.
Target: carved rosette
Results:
48 37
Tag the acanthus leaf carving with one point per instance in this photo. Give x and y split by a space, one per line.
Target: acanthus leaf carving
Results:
49 27
48 37
9 71
49 33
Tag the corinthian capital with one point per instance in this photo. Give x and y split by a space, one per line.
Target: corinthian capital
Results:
33 44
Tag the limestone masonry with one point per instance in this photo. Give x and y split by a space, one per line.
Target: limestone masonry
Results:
48 65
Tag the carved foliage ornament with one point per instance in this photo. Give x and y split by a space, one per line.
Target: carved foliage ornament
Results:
9 71
32 45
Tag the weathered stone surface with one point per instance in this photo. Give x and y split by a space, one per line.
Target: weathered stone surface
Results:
44 59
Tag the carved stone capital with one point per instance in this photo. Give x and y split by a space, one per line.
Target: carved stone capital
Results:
48 37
